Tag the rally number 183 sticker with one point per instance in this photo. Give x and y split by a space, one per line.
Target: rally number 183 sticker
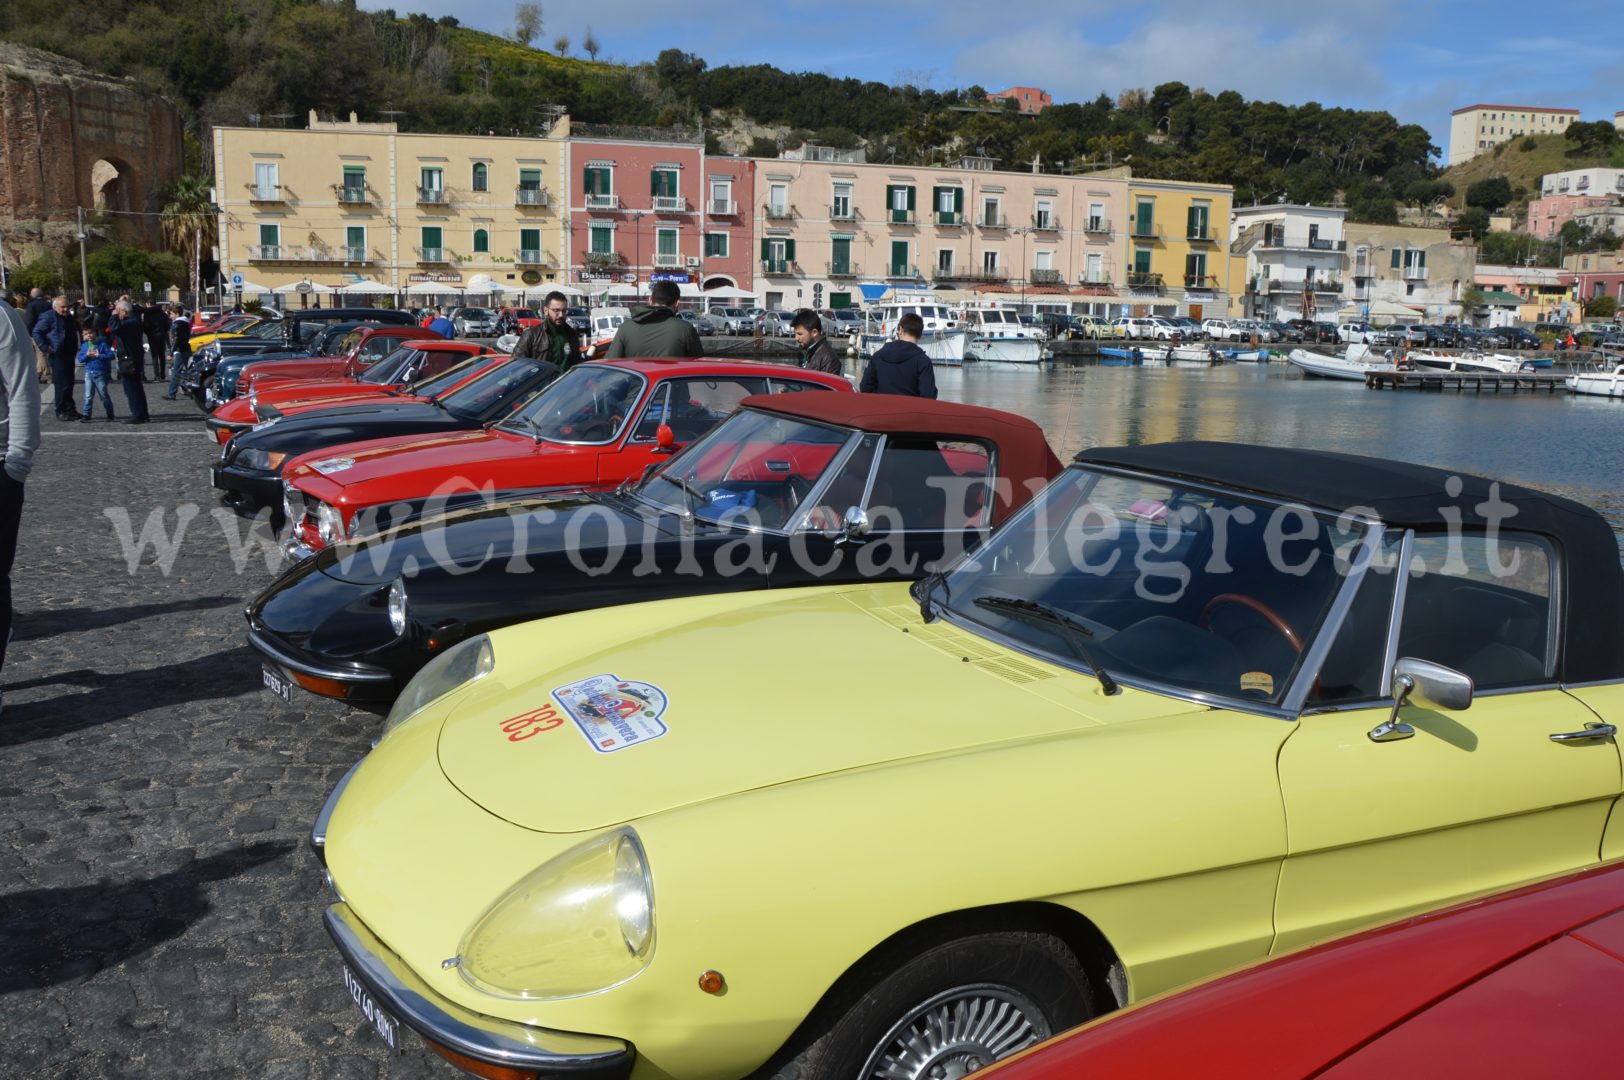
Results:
614 713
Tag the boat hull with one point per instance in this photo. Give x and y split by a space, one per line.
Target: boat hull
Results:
1333 367
1006 350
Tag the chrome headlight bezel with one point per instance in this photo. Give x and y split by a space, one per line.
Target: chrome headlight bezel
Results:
397 606
293 503
329 523
464 663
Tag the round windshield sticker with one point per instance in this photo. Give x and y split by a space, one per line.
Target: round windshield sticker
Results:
1258 680
614 713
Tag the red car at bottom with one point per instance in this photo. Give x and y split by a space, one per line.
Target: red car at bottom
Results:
1520 984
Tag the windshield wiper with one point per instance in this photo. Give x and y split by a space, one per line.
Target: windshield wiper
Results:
689 494
530 422
922 591
1037 611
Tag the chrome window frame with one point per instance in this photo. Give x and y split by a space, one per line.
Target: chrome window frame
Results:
503 424
991 478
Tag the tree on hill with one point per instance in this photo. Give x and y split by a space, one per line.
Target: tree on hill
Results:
561 44
590 43
1473 223
526 21
1490 194
1591 140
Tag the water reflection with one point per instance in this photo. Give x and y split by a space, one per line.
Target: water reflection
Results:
1568 444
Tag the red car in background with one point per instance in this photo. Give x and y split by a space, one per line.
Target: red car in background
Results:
1515 985
416 365
357 351
597 425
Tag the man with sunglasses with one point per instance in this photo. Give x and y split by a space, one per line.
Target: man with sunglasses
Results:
553 339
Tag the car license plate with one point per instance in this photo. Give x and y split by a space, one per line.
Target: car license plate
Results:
277 685
385 1025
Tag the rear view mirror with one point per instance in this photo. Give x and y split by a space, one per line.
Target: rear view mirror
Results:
1421 682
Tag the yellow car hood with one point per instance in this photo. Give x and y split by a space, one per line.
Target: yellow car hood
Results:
760 689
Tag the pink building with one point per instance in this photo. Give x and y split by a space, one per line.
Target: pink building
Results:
643 211
1547 216
1030 99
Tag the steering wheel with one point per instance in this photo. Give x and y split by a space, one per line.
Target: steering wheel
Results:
1257 607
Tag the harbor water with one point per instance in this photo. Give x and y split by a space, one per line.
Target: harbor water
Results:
1568 444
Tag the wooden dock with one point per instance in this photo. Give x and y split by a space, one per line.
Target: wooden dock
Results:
1475 381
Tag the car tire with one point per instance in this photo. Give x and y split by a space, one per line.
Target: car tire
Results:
1029 985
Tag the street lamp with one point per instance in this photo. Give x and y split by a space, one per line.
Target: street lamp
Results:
1023 232
637 238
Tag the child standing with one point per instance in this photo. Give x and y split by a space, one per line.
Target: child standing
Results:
95 357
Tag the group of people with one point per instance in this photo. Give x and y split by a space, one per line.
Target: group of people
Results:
104 343
434 319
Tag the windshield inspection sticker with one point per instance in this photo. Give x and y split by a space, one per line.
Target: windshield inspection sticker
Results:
614 713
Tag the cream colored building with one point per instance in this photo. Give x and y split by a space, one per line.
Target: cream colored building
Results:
376 211
1423 270
1477 129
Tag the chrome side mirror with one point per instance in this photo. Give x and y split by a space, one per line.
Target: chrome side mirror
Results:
1424 683
854 525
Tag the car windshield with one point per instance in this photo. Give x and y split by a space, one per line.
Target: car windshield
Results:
448 378
388 369
475 313
1158 582
493 393
753 469
262 330
591 403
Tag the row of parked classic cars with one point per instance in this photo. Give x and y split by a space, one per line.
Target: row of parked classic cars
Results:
740 724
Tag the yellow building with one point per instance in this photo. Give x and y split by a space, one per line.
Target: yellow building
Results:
370 210
1176 248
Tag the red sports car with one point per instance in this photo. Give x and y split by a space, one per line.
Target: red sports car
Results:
356 352
595 426
1518 984
417 365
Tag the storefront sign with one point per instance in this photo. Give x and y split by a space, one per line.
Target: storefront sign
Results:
438 277
680 279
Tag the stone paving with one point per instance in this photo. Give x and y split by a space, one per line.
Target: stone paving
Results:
160 910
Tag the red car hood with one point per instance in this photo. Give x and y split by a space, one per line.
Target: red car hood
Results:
314 367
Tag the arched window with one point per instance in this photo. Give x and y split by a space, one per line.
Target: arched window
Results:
482 176
482 242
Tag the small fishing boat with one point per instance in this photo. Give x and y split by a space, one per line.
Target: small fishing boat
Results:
945 341
1598 383
1487 363
998 334
1352 365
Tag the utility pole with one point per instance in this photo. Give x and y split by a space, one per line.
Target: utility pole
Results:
84 270
5 279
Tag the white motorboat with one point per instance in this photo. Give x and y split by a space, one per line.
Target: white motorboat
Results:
944 340
1489 363
1598 383
1007 350
998 334
1353 365
1183 355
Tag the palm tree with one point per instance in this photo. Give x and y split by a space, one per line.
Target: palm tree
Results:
189 223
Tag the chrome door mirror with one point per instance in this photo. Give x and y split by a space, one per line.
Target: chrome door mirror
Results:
1423 683
854 526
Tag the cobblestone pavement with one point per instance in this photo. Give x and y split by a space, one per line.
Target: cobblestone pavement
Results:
160 912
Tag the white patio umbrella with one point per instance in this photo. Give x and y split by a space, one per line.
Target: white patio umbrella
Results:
620 292
249 287
728 292
432 288
365 287
313 288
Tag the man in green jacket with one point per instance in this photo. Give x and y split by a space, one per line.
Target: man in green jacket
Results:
656 330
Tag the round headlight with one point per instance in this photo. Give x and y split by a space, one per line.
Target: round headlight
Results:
463 663
580 923
253 398
329 523
397 607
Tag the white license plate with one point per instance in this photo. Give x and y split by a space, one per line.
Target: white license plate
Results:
277 685
385 1025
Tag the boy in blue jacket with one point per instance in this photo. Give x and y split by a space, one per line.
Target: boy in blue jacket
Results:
96 358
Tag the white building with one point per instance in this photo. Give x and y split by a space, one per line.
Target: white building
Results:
1295 259
1591 182
1479 128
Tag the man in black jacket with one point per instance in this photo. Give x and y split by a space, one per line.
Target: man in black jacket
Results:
155 324
128 338
656 330
553 339
56 336
816 352
901 366
180 346
38 304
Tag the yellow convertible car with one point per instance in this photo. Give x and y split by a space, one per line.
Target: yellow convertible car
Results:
1194 704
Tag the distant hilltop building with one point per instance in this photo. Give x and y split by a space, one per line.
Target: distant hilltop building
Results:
1476 129
1029 99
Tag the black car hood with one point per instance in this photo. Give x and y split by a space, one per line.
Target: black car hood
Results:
373 420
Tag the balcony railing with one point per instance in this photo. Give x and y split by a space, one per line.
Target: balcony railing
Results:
777 211
1099 277
1326 284
903 270
351 195
271 253
842 213
532 257
265 193
1097 225
1200 236
1045 223
664 258
899 217
1144 279
433 255
977 273
1204 282
780 267
1415 273
1145 230
314 253
598 260
843 270
322 253
722 208
432 196
531 196
1045 276
949 217
603 202
993 221
1303 243
670 204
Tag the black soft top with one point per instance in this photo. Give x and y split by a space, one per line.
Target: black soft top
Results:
1409 496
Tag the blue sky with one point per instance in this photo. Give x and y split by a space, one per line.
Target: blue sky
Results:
1418 61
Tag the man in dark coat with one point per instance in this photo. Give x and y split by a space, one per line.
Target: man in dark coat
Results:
57 336
901 366
155 324
553 339
180 347
128 338
656 330
816 352
38 304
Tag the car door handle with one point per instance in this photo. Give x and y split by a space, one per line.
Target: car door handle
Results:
1591 731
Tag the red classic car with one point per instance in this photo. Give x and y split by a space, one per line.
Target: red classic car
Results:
418 365
597 425
359 350
1504 986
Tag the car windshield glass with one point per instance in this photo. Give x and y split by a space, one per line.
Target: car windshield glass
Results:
492 393
448 378
475 313
263 330
389 368
1202 592
591 403
754 469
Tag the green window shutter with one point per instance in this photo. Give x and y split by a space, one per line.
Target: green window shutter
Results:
431 236
789 250
270 235
530 239
355 236
530 179
766 250
482 241
1190 264
910 197
1421 259
899 256
958 201
1398 258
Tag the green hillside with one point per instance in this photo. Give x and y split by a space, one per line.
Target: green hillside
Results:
1522 162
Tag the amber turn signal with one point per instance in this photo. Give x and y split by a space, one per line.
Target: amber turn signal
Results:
712 982
477 1067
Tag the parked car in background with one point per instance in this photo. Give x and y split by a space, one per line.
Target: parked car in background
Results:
702 323
1323 333
473 321
1136 327
848 321
1520 337
353 353
1413 335
1283 331
1188 328
1355 333
736 319
775 323
1218 329
578 317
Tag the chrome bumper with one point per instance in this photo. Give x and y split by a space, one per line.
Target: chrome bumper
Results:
318 831
445 1023
273 651
293 551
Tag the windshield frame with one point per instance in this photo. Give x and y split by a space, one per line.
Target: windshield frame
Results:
511 423
1292 700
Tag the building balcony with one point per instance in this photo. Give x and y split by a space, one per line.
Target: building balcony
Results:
665 259
777 211
1200 282
1099 280
993 221
843 269
432 196
902 271
527 196
1301 243
1045 276
603 260
1097 225
1415 273
1200 236
951 218
350 195
603 202
532 257
272 253
971 274
722 208
1045 223
1144 279
1145 230
265 193
901 217
780 267
843 213
433 256
670 204
320 253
